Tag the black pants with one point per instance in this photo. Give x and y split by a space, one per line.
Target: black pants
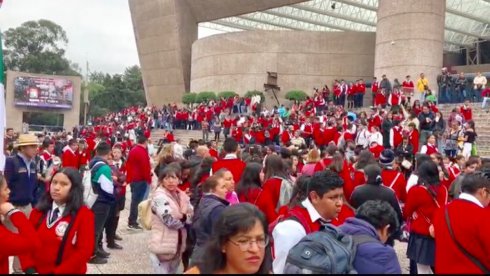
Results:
138 190
101 213
113 220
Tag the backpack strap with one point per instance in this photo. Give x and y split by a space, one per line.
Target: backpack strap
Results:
59 257
468 255
394 180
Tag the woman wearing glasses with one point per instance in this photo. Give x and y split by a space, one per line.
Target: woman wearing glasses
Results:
239 244
171 210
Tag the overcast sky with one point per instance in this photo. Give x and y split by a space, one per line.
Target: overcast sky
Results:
99 31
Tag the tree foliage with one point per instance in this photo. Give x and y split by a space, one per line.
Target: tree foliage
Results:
111 93
189 98
296 95
250 94
38 47
205 96
227 94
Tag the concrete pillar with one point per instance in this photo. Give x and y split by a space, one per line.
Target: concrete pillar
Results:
409 39
164 32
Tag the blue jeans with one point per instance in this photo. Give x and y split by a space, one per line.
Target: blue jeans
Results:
138 191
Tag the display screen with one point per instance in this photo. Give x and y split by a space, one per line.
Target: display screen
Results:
43 92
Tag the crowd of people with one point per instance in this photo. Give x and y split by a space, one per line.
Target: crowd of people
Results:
282 183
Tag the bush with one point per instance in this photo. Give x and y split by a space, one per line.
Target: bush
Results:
296 95
227 94
205 96
189 98
250 94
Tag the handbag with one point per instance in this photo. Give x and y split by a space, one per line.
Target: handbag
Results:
145 214
472 258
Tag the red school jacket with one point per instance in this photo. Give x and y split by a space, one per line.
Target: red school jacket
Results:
78 248
12 244
267 200
420 206
470 225
397 179
234 165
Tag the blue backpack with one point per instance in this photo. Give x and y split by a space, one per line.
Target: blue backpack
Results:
327 251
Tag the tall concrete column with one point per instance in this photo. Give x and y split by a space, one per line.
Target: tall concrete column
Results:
409 39
164 32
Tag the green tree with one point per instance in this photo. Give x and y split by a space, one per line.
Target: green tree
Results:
296 95
38 47
205 96
189 98
111 93
227 94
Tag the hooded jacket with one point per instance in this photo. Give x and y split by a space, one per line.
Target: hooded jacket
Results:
372 257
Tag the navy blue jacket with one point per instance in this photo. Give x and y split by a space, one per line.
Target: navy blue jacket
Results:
372 257
22 185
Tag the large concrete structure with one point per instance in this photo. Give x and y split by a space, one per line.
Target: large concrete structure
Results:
409 39
410 35
71 117
240 61
165 31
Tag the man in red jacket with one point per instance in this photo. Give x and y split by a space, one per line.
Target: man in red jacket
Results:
231 160
139 177
463 225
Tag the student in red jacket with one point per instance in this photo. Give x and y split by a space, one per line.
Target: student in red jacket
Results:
250 186
270 200
423 201
392 176
70 157
139 174
62 215
468 219
466 111
231 161
14 244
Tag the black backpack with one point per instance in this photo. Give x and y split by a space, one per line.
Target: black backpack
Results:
328 251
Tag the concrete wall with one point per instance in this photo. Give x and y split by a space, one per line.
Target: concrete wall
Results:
14 113
164 31
303 60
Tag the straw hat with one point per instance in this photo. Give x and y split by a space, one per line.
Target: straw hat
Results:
27 140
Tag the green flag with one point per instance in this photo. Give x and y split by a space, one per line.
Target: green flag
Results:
2 75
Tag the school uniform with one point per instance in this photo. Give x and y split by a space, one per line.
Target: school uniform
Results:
14 244
233 164
78 248
420 208
429 149
267 201
69 158
470 225
396 181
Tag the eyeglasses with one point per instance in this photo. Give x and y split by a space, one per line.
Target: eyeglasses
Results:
246 244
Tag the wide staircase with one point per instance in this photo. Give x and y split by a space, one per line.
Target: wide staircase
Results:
482 125
481 118
185 136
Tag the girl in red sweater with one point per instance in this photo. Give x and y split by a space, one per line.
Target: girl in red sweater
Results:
64 224
423 201
271 200
250 185
13 244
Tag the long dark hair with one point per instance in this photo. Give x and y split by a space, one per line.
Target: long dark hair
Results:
275 166
75 196
234 219
250 178
300 191
428 174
